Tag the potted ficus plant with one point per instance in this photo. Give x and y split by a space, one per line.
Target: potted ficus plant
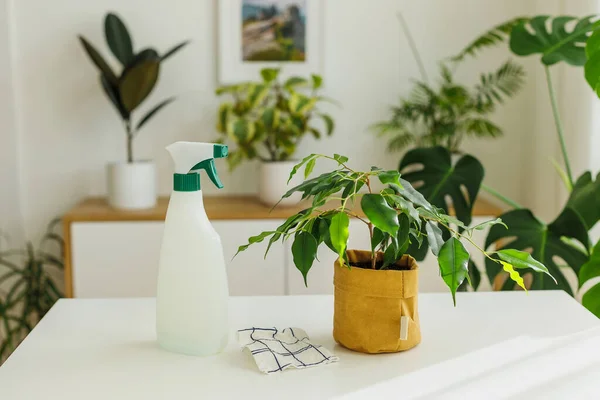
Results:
376 289
564 243
266 121
131 185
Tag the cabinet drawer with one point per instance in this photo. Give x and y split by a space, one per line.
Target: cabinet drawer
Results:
120 259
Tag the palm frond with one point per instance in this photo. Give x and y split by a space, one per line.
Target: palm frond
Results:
446 73
491 38
401 141
495 86
481 128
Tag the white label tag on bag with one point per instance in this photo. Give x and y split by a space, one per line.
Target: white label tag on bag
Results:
404 328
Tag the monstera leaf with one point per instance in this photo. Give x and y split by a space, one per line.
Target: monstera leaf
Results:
555 44
440 178
585 199
546 243
592 65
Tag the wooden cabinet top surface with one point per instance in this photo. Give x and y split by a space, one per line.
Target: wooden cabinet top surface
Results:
217 208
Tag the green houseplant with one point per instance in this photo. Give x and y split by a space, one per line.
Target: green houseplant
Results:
30 287
127 90
266 120
563 243
434 121
450 113
394 217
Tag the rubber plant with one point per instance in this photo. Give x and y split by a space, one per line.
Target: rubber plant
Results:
436 120
268 119
564 242
139 72
393 216
31 289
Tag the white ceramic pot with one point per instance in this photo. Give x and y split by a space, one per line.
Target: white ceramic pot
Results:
272 183
131 186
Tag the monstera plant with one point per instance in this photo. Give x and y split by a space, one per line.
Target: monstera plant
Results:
564 243
127 90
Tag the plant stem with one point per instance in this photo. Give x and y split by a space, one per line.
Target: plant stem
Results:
501 197
413 47
129 141
559 126
373 255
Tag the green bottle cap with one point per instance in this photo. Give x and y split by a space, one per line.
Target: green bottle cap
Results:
186 182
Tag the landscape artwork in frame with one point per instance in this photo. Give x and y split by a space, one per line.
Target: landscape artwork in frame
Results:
256 34
273 30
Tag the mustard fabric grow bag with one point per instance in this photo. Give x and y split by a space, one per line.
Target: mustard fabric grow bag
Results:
369 306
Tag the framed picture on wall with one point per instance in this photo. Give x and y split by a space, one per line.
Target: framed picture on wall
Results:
256 34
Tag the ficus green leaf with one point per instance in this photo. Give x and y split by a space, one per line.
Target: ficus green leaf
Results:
304 250
434 237
310 165
377 238
339 233
389 177
523 260
380 213
453 260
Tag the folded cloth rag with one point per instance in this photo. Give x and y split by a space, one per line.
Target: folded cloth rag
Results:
275 350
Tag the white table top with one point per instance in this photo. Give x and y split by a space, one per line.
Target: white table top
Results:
106 349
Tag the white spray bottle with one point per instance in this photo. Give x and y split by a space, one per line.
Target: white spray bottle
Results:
192 296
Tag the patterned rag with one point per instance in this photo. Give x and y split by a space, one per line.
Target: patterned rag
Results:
275 350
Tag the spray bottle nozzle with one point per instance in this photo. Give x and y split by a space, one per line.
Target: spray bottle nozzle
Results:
191 157
220 151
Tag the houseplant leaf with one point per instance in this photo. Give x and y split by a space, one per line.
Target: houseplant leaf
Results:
174 50
585 199
269 74
380 213
153 111
555 45
144 55
137 83
304 250
329 123
118 38
295 81
526 232
317 81
491 38
591 300
523 260
441 179
591 269
99 61
339 233
114 96
453 260
434 237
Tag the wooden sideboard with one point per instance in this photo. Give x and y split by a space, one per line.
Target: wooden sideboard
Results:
114 253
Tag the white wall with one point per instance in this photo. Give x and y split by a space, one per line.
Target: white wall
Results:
11 223
68 130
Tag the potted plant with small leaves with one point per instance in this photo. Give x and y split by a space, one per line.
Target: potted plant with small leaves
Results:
266 121
376 289
131 185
